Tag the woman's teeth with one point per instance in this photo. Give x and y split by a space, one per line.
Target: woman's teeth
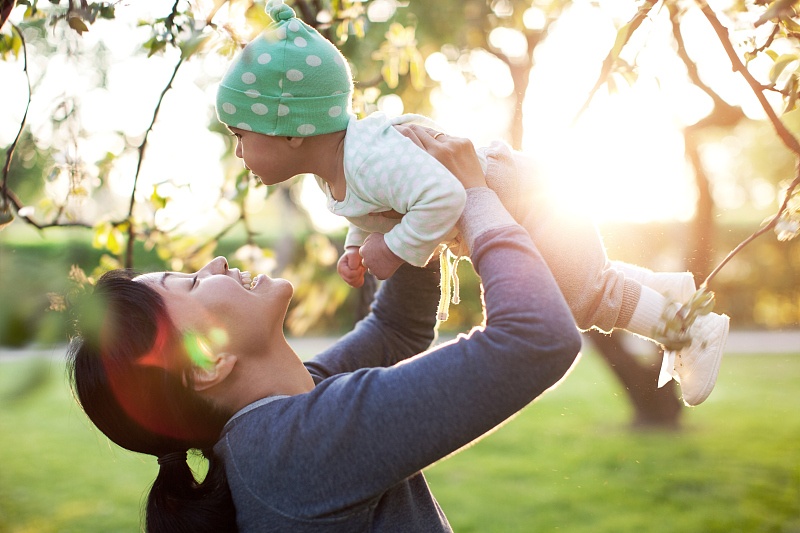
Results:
247 280
256 280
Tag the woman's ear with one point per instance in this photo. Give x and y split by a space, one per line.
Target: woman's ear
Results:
219 368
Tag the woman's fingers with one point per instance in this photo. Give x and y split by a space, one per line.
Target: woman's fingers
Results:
410 131
458 155
455 153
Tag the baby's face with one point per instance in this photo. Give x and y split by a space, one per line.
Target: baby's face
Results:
273 159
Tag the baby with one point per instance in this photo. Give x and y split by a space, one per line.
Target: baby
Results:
287 99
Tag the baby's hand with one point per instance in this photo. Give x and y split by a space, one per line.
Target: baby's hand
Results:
378 258
350 268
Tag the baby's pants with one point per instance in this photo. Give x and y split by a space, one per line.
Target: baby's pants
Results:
598 295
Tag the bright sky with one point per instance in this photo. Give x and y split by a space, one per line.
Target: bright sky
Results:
622 161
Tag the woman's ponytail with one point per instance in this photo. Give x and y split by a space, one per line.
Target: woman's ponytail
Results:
178 503
131 376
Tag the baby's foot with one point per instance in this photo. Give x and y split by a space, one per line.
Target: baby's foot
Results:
696 366
677 286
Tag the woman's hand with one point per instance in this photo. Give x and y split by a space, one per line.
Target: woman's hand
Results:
379 260
456 153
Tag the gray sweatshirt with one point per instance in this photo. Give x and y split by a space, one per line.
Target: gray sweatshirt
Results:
347 456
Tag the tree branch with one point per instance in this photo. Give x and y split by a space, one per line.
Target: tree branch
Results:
141 151
738 66
770 225
613 54
4 196
784 134
723 113
17 203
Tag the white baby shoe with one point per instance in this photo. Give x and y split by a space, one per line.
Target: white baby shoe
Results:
696 366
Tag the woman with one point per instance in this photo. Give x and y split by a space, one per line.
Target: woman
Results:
173 362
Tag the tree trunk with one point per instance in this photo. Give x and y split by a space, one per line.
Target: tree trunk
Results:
521 75
653 407
700 260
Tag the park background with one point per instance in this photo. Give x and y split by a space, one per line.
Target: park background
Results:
678 166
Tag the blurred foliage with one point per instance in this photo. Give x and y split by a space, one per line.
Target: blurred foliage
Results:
29 273
50 181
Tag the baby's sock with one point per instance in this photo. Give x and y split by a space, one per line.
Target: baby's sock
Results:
648 315
678 286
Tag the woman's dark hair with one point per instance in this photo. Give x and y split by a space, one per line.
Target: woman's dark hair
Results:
132 377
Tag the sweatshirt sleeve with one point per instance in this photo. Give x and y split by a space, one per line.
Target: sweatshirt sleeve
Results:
400 324
355 236
362 432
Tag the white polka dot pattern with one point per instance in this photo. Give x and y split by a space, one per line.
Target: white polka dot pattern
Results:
289 81
386 171
306 129
294 75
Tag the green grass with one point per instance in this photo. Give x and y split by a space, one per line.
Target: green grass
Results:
571 463
568 463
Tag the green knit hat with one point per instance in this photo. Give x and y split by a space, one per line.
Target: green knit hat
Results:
288 81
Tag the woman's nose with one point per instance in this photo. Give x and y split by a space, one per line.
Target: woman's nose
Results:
218 265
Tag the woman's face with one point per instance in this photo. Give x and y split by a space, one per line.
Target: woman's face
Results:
220 304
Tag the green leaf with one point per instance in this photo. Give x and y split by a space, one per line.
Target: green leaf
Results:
777 9
158 201
100 234
390 73
6 217
107 12
10 44
77 24
115 241
106 263
791 90
780 65
612 85
194 44
623 34
156 46
790 24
